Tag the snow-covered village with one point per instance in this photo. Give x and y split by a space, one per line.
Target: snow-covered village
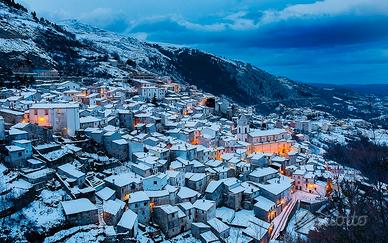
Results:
152 159
125 153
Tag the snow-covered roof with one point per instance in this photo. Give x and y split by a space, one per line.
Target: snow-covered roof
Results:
78 206
128 220
14 131
142 166
22 141
270 132
14 148
89 119
123 179
208 236
120 141
203 204
169 209
186 205
139 196
212 186
255 231
105 193
160 193
197 176
39 173
71 170
299 172
260 172
277 185
186 192
256 156
200 225
113 206
264 203
217 225
54 106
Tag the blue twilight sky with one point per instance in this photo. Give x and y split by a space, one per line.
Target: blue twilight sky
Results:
331 41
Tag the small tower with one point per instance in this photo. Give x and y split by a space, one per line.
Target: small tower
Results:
242 128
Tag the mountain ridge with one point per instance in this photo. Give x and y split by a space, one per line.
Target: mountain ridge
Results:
77 49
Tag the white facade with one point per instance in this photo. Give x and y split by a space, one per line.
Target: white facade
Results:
63 118
303 126
68 85
148 92
242 128
90 121
265 136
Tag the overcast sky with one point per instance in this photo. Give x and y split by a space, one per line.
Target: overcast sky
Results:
332 41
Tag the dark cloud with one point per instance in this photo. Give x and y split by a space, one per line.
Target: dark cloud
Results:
299 33
344 30
309 40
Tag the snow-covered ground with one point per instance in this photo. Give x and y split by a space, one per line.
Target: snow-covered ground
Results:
41 215
87 233
301 223
125 46
380 136
308 197
54 155
11 188
225 214
332 137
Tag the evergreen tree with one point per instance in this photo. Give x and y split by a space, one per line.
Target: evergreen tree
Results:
154 100
131 63
34 15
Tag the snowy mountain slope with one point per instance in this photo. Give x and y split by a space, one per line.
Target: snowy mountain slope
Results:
108 42
17 32
237 80
73 48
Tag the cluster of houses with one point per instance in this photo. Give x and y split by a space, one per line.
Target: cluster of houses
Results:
150 152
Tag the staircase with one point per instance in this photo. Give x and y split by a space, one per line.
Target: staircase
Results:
282 222
94 182
100 209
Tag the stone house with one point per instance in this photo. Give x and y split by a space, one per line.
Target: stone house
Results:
170 219
198 228
204 210
197 181
214 192
155 182
128 224
139 202
176 178
186 194
261 175
72 174
112 211
124 184
188 209
80 211
15 156
264 209
219 228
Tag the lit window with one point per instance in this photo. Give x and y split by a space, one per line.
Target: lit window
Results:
41 119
